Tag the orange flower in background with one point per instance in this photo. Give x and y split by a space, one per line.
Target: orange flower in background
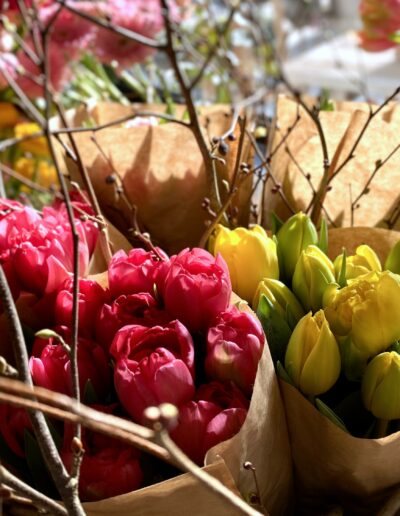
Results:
381 20
9 116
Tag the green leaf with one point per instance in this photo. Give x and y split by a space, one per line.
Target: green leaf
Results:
342 276
395 347
276 328
323 236
326 103
276 223
41 477
327 412
290 318
89 394
281 372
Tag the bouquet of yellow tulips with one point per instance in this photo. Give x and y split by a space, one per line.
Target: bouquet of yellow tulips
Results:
333 329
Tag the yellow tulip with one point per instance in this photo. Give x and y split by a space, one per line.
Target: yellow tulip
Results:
281 297
381 386
250 255
37 146
367 310
9 116
294 236
312 357
364 261
313 273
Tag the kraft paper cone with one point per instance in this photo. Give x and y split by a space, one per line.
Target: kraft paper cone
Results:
162 171
331 467
342 128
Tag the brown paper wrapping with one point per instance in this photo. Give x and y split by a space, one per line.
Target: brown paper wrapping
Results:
341 128
162 171
179 495
331 467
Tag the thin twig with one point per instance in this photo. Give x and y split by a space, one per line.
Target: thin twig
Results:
77 413
39 425
39 499
213 484
27 182
232 189
378 165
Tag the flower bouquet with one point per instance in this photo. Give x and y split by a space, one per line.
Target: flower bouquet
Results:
333 332
152 331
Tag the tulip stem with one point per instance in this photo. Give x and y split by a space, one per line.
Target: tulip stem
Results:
381 428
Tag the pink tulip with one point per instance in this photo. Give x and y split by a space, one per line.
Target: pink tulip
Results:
43 259
140 309
195 287
224 394
234 348
91 298
153 366
202 425
133 273
51 367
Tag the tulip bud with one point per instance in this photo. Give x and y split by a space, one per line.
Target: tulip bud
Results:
366 310
381 385
282 299
313 273
295 235
195 287
393 260
364 261
234 348
313 358
250 255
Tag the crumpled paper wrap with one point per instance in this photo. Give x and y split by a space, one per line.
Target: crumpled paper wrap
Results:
332 468
341 128
161 168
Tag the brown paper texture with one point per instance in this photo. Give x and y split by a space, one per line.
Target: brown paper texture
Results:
162 171
341 128
331 467
178 496
381 240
